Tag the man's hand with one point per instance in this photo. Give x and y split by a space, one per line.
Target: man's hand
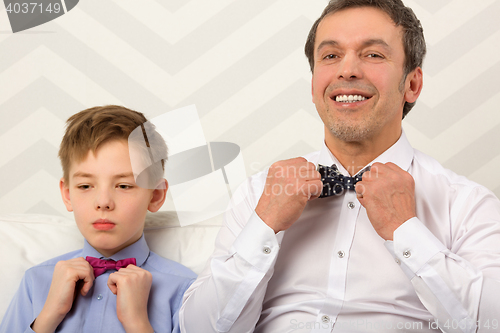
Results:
388 194
290 184
131 285
62 292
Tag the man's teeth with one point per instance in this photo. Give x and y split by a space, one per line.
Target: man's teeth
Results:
349 98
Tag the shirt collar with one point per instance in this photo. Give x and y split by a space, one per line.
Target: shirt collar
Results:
138 250
400 153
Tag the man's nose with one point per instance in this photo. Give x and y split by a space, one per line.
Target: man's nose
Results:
349 67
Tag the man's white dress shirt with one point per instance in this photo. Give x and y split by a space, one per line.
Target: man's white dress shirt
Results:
331 272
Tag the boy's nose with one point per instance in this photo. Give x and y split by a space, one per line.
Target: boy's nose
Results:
104 202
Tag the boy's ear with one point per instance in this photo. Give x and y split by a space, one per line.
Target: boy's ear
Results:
159 196
65 194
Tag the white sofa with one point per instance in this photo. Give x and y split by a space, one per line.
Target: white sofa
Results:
29 239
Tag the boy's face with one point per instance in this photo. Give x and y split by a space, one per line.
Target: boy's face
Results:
109 207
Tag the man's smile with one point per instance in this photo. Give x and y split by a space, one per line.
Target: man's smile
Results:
349 98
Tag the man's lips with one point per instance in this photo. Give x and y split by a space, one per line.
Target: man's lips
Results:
349 96
103 224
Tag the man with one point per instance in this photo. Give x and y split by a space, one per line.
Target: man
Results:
413 248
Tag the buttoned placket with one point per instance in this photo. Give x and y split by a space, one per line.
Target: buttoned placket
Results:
338 264
100 297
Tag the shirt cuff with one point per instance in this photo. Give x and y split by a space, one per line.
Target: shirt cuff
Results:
257 243
413 246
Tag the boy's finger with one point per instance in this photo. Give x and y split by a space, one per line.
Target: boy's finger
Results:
87 284
112 283
88 279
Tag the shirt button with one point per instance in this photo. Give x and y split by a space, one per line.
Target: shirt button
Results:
266 250
407 254
397 261
351 205
325 319
99 297
341 254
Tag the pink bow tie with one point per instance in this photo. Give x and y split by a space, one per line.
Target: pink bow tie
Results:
100 266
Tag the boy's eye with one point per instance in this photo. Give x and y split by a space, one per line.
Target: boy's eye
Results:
124 186
84 187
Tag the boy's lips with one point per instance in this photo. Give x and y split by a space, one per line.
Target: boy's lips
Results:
103 224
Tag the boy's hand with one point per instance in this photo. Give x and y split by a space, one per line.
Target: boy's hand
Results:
62 293
131 285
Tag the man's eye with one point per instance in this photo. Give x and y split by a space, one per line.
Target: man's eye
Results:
330 56
374 55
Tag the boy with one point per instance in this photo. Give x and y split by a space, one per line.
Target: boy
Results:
78 292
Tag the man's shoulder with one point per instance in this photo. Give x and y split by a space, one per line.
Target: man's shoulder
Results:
254 185
311 157
169 268
428 167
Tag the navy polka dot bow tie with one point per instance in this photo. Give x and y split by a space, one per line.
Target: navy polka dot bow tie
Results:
335 183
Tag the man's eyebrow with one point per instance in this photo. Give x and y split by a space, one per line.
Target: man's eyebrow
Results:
366 43
377 41
328 42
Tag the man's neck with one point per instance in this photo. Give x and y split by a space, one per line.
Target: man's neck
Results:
355 155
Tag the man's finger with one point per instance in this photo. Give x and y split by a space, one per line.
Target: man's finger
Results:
360 190
315 188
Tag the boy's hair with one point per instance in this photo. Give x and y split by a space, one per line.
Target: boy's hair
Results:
87 130
413 34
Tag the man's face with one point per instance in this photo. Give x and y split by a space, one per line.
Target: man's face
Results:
358 71
109 207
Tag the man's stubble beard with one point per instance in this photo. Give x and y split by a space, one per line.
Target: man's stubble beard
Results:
351 131
359 131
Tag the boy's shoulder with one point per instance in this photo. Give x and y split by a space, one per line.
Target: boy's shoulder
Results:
45 269
169 267
65 256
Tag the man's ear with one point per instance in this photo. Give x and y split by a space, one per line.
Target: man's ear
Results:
65 194
413 85
312 89
159 196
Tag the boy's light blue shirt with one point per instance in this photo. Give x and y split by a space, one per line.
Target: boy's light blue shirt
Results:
96 312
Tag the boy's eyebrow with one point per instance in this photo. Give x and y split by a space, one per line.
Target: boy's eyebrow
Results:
89 175
124 175
82 175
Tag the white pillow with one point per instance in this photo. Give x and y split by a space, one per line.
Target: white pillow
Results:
29 239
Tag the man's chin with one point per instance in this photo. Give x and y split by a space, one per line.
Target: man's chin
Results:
350 133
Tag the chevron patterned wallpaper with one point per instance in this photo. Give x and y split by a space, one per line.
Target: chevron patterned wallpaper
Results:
241 63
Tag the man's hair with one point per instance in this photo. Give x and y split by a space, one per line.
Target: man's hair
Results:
413 34
89 129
